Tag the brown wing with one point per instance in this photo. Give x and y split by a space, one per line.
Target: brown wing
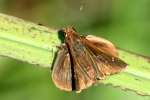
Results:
107 63
61 73
103 45
85 67
84 73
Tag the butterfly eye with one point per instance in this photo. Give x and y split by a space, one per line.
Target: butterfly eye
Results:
61 35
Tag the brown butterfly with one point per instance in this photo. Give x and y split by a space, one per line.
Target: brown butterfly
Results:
83 60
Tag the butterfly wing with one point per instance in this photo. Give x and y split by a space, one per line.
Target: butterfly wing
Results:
103 45
61 73
107 63
85 67
84 73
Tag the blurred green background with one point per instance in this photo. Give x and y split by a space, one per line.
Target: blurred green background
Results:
124 22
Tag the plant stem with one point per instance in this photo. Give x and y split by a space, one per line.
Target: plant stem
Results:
27 41
35 44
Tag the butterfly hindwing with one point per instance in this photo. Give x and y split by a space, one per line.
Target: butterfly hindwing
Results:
107 63
61 73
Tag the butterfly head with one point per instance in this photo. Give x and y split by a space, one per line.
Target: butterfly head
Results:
69 31
70 34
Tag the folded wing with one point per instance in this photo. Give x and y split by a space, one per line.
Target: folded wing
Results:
61 73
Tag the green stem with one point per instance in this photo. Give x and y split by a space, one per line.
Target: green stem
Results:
36 44
27 41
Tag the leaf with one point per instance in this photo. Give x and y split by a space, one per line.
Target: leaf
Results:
36 44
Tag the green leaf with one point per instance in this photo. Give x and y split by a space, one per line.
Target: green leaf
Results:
36 44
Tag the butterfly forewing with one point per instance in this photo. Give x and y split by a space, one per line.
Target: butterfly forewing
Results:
85 67
84 72
61 73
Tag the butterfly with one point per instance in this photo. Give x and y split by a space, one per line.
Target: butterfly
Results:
83 60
